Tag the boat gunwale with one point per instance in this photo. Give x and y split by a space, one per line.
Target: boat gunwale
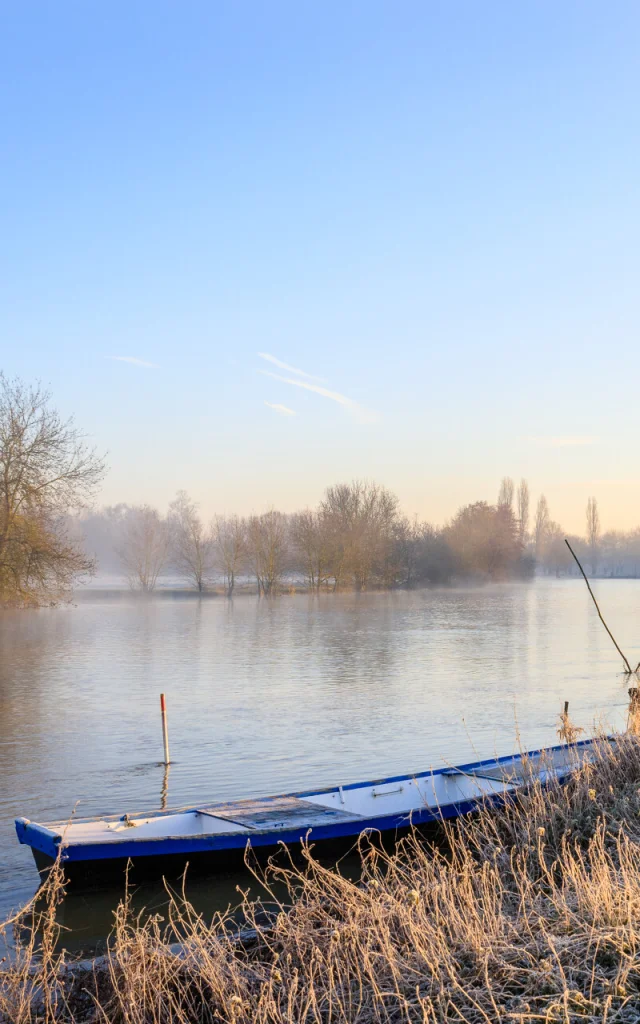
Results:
53 828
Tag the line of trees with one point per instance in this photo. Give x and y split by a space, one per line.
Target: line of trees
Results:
356 538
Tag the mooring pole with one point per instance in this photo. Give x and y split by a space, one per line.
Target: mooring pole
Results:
563 731
165 733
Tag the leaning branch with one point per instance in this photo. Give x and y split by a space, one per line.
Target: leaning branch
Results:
629 669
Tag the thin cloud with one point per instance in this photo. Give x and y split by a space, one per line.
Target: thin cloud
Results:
285 366
284 410
563 442
359 413
135 361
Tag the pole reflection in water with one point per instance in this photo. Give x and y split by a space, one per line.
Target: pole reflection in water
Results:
164 792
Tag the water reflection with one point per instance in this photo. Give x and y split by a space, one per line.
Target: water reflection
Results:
164 792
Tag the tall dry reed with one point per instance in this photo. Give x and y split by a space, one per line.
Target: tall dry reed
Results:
527 914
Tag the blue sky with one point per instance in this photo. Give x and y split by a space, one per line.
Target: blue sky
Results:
431 207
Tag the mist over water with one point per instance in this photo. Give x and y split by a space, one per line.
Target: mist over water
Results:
272 695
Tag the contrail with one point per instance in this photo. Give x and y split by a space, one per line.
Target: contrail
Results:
361 414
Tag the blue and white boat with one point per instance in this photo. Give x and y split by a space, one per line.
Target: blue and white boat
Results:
162 840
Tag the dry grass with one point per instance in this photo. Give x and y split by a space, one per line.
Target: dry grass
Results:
532 914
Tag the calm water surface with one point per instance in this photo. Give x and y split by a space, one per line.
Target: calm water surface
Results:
266 696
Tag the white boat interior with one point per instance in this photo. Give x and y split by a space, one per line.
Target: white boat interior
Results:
398 797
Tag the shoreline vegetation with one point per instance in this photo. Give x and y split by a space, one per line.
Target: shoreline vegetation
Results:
529 913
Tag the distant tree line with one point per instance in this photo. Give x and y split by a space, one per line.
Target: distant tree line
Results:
357 537
613 553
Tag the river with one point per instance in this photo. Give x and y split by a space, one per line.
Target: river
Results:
291 693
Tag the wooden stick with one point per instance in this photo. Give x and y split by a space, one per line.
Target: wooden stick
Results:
165 732
568 732
633 718
629 669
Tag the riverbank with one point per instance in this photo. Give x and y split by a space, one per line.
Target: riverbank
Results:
118 589
530 914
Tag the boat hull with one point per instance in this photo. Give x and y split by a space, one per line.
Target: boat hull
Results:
169 858
112 873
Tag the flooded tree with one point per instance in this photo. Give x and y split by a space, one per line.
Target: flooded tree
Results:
47 473
144 547
192 544
267 549
311 547
230 540
359 519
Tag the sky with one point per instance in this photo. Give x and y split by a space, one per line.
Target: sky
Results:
259 248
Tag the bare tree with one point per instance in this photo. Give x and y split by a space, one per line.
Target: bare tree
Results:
230 538
144 549
505 494
523 511
593 532
360 519
47 473
541 525
192 544
311 547
267 549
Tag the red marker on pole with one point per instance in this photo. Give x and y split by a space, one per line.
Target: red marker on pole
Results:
165 733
